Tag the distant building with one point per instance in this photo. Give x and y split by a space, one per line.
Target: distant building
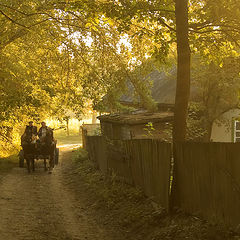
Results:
227 127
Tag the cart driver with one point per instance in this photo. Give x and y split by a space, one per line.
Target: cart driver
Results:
29 135
30 129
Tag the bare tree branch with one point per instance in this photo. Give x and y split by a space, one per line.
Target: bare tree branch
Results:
13 21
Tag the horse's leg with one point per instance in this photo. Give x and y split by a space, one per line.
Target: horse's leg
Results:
26 156
51 163
33 166
45 164
28 164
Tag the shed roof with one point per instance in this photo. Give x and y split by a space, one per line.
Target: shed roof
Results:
137 118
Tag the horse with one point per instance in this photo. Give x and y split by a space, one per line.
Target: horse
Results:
46 147
28 143
42 148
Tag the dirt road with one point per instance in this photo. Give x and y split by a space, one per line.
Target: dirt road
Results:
42 206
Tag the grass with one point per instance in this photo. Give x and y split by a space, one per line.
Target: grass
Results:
112 188
6 164
63 139
113 195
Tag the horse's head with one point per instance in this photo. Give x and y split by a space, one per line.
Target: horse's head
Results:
29 138
49 135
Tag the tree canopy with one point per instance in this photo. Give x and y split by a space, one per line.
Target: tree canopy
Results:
58 55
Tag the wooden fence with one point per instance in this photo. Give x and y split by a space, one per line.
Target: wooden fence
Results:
138 162
207 181
89 130
96 148
150 161
118 160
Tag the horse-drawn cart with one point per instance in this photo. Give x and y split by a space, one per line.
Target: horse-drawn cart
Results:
38 155
33 149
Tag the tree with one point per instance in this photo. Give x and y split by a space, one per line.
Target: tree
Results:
218 90
211 27
70 52
183 71
49 62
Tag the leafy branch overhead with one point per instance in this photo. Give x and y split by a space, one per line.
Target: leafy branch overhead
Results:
58 55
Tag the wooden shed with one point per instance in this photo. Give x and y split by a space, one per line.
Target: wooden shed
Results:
136 125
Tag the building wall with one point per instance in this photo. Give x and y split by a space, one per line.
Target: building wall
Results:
222 130
119 131
115 131
160 131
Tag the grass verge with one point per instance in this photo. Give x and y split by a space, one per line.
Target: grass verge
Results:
6 164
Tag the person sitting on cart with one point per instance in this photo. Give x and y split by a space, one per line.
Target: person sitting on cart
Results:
44 132
30 129
45 135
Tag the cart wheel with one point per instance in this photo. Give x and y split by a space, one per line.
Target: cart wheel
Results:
56 156
21 159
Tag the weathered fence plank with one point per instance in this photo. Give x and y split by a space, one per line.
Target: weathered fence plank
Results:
96 147
207 181
142 162
150 168
118 161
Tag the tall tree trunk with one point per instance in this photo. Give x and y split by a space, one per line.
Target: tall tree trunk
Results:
182 90
183 71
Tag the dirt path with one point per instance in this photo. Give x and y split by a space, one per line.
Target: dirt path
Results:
41 206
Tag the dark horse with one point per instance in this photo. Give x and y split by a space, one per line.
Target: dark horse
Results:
43 148
28 142
46 149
